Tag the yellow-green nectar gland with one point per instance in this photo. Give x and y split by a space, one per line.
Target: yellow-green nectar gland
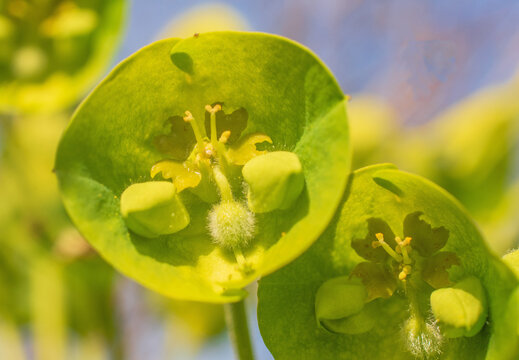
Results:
230 223
400 253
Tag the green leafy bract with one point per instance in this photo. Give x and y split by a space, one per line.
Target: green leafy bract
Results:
286 312
111 143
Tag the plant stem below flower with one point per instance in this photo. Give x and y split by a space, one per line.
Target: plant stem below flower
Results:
236 319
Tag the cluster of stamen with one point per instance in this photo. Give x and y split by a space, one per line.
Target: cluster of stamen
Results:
207 150
231 225
400 253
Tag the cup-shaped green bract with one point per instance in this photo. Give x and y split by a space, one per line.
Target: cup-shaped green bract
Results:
275 181
51 53
256 93
404 238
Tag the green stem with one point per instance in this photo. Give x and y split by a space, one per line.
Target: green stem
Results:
412 290
223 184
236 319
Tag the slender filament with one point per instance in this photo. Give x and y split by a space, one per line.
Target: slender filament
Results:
199 139
405 245
387 248
213 110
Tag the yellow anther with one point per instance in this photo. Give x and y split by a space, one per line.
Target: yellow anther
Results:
407 269
379 236
403 248
213 109
189 117
225 136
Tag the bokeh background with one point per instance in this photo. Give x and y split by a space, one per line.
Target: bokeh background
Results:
433 88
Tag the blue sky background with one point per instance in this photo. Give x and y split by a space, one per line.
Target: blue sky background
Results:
419 55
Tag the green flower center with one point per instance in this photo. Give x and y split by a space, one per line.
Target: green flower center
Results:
216 170
231 225
400 254
419 270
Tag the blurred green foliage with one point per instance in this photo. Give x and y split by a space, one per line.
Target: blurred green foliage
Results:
51 52
54 51
470 149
